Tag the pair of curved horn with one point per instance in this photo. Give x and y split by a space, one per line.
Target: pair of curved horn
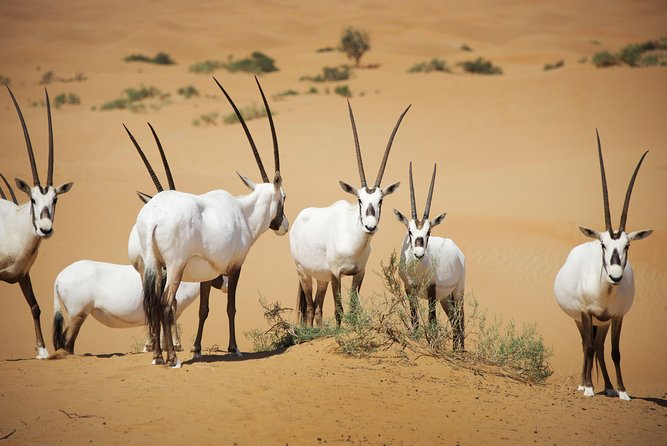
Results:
156 182
605 192
9 187
383 165
413 202
31 155
274 136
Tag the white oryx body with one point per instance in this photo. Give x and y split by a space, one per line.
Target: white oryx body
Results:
596 288
328 243
197 238
22 227
432 264
111 293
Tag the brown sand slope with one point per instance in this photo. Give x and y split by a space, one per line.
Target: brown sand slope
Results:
517 174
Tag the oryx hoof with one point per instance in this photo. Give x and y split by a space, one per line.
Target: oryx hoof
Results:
42 353
580 388
588 391
623 395
157 361
176 364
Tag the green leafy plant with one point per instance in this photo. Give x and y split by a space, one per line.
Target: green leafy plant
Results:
257 63
466 47
481 66
160 58
133 98
604 59
330 74
354 43
286 93
249 113
434 64
188 91
205 67
553 66
66 99
343 90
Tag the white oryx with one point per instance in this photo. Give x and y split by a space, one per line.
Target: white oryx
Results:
328 243
22 227
433 263
112 293
596 288
199 237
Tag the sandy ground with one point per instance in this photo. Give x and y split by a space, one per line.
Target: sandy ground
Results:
517 173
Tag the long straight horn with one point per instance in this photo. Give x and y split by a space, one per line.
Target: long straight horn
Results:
360 162
413 202
9 187
605 193
258 159
165 163
49 174
386 152
274 136
626 205
151 172
31 155
427 208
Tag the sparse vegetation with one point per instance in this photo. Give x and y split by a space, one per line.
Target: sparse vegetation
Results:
133 99
648 53
285 93
205 67
343 90
312 90
47 77
4 80
206 119
249 113
188 91
354 43
466 47
330 74
326 49
481 66
604 59
66 99
160 58
257 63
553 66
434 64
50 76
384 322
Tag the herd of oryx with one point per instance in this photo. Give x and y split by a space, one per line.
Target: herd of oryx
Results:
184 244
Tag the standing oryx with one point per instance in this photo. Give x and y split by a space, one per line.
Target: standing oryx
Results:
435 263
199 237
328 243
23 227
596 288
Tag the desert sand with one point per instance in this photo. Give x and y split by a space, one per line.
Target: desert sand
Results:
517 173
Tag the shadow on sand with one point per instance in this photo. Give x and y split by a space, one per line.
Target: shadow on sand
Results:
230 357
659 401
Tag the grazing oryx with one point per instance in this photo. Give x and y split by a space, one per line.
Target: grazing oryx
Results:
436 261
22 227
199 237
596 288
327 243
134 247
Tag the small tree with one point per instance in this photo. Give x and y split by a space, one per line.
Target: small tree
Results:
354 43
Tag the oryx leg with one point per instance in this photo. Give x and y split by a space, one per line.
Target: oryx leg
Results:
430 292
73 331
414 307
616 324
357 280
600 336
28 293
301 306
589 353
231 309
338 304
169 315
204 292
306 293
453 307
175 332
319 301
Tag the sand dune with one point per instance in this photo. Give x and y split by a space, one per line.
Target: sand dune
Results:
517 173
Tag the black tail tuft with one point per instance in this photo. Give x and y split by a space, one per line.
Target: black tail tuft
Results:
153 286
59 333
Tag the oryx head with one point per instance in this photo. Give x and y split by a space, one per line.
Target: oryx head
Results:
370 198
279 223
615 244
43 198
419 231
144 197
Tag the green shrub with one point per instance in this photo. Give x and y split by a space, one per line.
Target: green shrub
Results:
205 67
434 64
159 59
249 113
133 99
330 74
631 54
553 66
466 48
257 63
481 66
286 93
188 91
47 77
312 90
66 99
343 90
326 49
354 43
604 59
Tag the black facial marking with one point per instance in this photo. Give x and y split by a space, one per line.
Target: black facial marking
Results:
615 258
45 213
419 242
278 219
370 211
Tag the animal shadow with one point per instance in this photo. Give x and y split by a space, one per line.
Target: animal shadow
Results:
230 357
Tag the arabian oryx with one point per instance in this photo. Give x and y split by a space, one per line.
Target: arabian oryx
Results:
22 227
112 293
596 288
328 243
199 237
435 264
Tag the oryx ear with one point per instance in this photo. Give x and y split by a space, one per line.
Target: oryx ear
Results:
390 189
640 235
437 220
22 185
247 182
400 217
592 233
277 180
145 198
64 188
347 188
